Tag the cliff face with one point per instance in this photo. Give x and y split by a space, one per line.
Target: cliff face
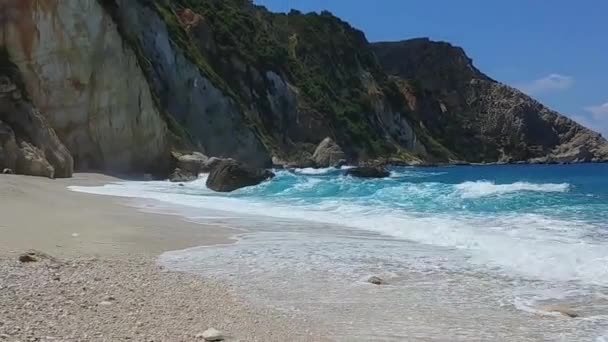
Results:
480 119
216 123
282 82
124 82
28 145
87 83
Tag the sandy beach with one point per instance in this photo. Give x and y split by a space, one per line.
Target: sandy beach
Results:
96 279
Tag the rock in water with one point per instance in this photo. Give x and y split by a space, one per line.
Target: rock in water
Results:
329 154
230 175
212 335
368 172
212 163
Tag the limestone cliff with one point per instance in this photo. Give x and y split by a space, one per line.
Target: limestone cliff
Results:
237 81
28 145
479 119
215 122
87 83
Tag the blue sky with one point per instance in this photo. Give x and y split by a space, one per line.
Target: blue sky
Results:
554 50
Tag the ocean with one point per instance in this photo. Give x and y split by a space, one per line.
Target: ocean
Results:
469 253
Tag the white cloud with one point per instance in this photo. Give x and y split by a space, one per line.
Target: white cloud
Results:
547 84
595 123
598 111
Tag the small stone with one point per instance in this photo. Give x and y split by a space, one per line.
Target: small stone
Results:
562 309
8 171
4 336
28 257
110 298
105 303
376 280
211 334
75 235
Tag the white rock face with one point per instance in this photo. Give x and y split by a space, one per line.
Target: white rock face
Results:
86 80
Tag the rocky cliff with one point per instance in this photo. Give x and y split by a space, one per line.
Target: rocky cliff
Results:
28 145
87 82
122 83
477 118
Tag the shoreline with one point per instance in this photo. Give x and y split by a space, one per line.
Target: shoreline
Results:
97 277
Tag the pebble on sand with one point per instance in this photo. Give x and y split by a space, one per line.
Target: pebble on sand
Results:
28 257
562 309
376 280
211 334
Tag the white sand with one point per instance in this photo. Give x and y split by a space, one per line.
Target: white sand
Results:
100 281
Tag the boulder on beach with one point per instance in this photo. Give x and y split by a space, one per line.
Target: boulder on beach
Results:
329 154
193 163
368 172
230 175
212 163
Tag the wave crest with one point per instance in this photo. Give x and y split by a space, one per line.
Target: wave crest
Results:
486 188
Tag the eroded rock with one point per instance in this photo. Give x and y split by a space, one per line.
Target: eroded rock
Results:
230 175
368 172
193 163
329 154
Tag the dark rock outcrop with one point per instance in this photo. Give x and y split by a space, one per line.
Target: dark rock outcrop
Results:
329 154
368 172
478 118
230 175
213 162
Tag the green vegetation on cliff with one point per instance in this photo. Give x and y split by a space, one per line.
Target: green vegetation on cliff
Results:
234 41
294 79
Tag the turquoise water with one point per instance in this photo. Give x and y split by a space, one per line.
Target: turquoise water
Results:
501 242
572 191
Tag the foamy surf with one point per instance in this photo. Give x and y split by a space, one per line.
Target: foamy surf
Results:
486 188
522 242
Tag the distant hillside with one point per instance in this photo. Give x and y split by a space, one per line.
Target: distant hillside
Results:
479 119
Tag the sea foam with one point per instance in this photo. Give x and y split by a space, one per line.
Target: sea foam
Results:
486 188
